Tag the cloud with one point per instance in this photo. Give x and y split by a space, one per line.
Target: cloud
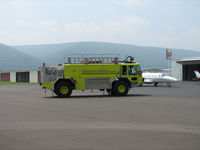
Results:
115 31
128 29
17 3
135 2
188 39
131 3
125 30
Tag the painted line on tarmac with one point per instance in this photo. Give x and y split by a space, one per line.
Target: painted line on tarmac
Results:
99 126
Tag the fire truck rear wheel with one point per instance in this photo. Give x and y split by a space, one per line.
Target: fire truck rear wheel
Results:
120 88
63 89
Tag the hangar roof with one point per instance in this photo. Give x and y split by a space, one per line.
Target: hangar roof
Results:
6 71
189 60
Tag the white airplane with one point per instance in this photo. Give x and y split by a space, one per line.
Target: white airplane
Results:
156 78
197 75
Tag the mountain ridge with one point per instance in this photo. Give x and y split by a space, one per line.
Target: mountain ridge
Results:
149 57
11 58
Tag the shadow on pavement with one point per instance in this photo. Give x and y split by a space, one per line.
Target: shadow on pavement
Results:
98 96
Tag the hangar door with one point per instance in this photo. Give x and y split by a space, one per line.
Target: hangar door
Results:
22 76
5 77
188 71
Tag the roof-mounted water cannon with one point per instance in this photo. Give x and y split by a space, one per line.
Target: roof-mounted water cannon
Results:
129 59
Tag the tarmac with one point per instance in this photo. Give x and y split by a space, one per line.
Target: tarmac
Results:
149 118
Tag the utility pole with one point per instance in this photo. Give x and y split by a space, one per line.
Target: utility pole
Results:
169 58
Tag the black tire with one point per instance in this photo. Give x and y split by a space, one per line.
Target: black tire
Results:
110 92
63 89
120 88
169 84
156 84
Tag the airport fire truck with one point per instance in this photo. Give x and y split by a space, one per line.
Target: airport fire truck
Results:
106 73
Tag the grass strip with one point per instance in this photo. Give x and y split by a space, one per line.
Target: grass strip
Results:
14 83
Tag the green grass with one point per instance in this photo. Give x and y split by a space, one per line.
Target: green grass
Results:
14 83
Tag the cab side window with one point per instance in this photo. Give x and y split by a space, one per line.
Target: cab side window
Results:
124 70
131 70
138 70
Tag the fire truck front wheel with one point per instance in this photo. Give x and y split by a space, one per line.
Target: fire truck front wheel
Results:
120 88
63 89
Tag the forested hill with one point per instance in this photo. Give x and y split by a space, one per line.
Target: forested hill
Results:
149 57
10 59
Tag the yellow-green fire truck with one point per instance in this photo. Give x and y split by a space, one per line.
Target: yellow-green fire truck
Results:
89 73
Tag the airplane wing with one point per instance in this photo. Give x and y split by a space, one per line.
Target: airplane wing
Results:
147 80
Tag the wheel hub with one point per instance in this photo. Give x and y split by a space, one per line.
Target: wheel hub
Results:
121 88
64 90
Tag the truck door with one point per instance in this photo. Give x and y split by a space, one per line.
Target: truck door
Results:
134 73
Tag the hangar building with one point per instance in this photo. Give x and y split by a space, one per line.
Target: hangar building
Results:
32 76
183 69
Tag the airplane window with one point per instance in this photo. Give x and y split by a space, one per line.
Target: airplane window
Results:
163 75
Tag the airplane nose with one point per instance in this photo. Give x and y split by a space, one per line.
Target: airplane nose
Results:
171 79
174 79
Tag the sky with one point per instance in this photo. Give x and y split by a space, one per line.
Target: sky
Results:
159 23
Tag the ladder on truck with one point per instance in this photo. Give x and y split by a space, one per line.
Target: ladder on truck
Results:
92 59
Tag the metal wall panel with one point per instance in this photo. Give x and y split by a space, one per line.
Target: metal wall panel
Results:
97 83
39 76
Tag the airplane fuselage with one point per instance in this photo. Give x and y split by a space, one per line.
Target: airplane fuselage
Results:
155 78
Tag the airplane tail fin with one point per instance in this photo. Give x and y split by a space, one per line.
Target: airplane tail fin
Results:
197 73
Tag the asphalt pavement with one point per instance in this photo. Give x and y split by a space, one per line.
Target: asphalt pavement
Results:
149 118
